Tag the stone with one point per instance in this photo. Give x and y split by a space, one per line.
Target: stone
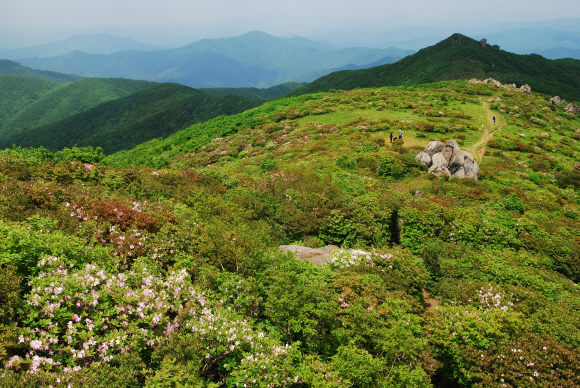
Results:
419 193
460 173
472 175
572 108
556 100
449 160
462 159
439 160
439 171
526 89
483 42
434 147
451 148
424 158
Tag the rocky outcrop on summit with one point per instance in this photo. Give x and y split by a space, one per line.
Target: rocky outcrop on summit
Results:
448 159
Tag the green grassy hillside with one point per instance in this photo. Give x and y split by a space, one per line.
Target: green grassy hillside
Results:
162 264
255 93
31 103
158 111
460 57
13 68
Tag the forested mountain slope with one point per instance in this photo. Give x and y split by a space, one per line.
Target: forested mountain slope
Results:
123 123
255 93
13 68
460 57
26 103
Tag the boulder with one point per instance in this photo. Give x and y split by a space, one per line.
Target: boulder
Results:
556 100
460 173
419 193
483 42
448 159
439 171
572 108
451 148
462 159
439 160
434 147
526 89
424 158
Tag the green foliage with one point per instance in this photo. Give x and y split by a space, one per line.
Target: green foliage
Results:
12 68
157 111
29 103
459 57
255 93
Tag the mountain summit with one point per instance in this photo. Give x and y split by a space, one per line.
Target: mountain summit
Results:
460 57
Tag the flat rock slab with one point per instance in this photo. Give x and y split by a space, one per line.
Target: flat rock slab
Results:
317 256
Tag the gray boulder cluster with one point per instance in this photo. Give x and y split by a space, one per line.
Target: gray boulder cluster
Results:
525 89
448 159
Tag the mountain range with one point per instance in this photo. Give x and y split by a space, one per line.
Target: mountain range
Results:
89 43
255 59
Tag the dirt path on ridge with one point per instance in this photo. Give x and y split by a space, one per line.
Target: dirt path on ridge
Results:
478 149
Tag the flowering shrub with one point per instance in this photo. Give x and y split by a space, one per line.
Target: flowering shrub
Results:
75 317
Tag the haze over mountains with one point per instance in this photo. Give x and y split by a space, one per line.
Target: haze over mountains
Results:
255 59
89 43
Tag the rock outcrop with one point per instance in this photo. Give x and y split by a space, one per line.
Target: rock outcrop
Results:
572 108
556 100
483 42
526 89
448 159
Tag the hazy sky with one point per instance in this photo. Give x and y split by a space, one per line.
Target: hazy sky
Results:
23 14
213 18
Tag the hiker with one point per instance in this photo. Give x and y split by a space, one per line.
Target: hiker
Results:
494 119
400 134
391 137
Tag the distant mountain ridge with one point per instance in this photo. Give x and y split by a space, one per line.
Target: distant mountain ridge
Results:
12 68
255 59
255 93
88 43
460 57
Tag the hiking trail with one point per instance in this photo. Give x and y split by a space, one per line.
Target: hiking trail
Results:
478 149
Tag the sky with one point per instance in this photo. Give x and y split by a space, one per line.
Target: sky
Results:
195 19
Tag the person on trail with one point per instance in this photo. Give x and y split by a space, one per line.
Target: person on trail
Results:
494 119
391 137
400 134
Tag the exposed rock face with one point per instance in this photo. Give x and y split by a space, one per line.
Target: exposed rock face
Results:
556 100
526 89
448 159
483 42
434 147
572 108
